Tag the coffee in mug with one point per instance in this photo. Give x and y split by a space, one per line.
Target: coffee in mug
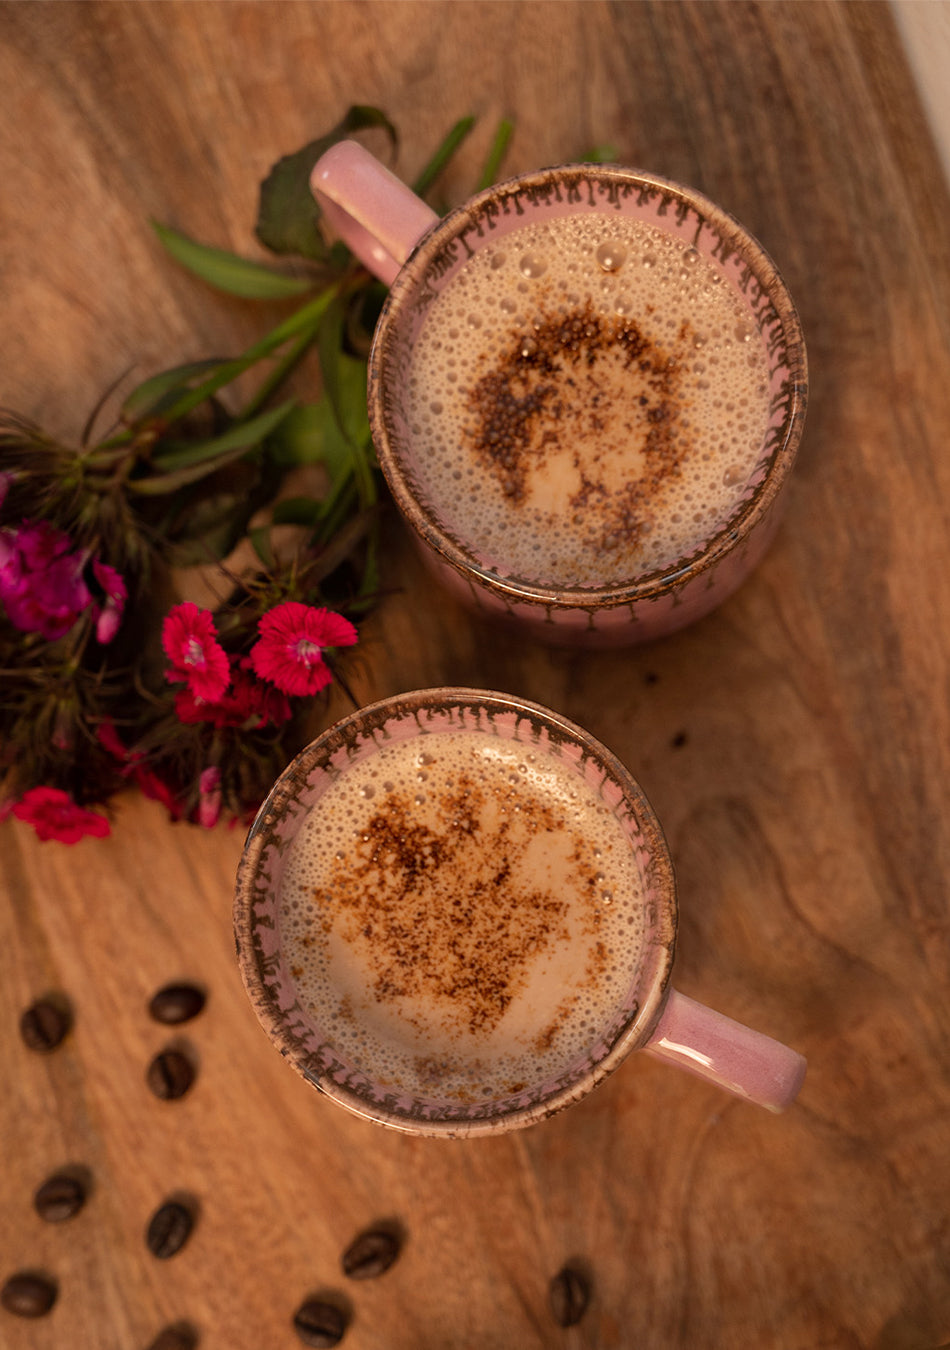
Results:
455 914
587 390
587 402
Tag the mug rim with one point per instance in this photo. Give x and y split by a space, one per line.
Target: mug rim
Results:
655 961
738 527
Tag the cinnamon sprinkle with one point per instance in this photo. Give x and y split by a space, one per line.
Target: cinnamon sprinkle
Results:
545 393
443 910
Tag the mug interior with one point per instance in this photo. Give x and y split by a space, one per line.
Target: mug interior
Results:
259 914
609 192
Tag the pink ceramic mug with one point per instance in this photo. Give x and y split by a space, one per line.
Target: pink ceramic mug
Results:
607 461
456 914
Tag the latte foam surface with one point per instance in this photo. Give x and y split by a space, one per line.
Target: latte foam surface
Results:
587 400
462 916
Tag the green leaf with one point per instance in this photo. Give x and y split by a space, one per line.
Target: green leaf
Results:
344 377
276 377
288 214
600 154
341 454
181 465
363 309
206 522
226 271
260 542
242 436
306 319
154 394
369 585
351 407
496 154
301 436
342 543
344 385
326 431
442 156
313 435
158 485
329 349
296 511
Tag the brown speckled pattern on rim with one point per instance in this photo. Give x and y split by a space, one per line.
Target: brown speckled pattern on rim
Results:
659 602
257 910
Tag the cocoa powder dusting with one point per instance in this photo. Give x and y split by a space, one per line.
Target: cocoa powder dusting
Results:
438 900
555 393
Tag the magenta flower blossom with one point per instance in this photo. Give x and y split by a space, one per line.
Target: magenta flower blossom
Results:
54 815
156 789
43 587
41 582
148 782
109 613
108 737
209 799
293 638
246 703
191 644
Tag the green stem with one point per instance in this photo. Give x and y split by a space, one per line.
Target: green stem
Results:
369 581
363 475
442 156
496 154
337 507
305 320
272 382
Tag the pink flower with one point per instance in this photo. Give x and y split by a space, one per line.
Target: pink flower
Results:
43 587
54 815
247 702
293 638
147 780
41 581
156 789
109 738
110 611
209 800
192 646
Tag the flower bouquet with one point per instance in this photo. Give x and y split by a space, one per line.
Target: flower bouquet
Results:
112 673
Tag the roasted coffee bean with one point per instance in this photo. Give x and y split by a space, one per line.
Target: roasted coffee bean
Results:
60 1197
28 1294
175 1003
320 1324
170 1075
569 1295
180 1336
169 1229
44 1024
370 1254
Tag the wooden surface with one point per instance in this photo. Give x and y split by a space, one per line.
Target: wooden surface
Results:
796 744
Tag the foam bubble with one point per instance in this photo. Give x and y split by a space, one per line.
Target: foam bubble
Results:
468 925
586 485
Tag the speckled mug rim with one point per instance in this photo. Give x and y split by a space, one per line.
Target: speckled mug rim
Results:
474 218
255 909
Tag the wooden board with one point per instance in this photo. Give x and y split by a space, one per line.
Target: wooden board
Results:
796 744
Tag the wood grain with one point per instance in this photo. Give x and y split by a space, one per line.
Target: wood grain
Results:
796 743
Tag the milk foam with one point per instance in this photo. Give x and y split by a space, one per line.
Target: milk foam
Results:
588 400
461 914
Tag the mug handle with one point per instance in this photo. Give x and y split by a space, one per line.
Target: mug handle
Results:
374 213
744 1062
